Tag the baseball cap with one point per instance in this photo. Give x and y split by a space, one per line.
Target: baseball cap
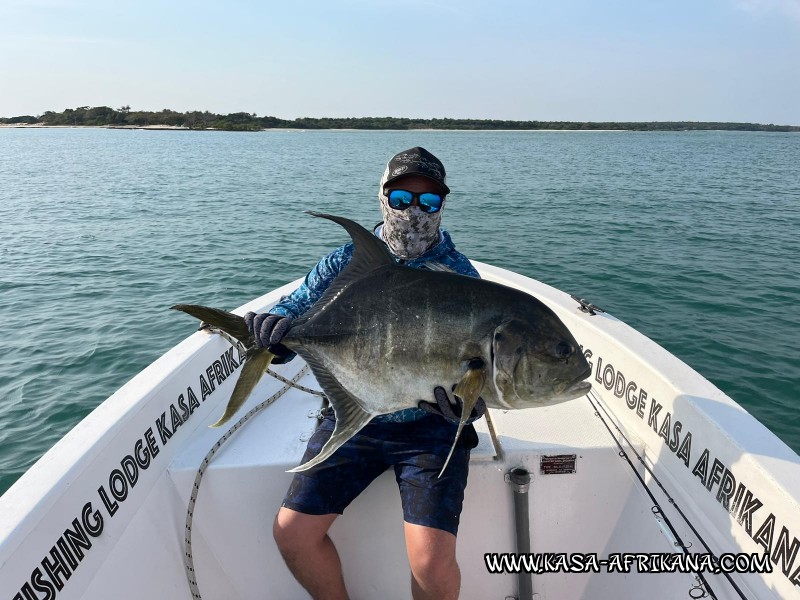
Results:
417 161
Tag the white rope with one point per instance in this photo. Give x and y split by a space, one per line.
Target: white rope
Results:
188 559
294 385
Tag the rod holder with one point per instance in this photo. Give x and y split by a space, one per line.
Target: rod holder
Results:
520 480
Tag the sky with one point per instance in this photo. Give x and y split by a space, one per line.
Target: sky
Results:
573 60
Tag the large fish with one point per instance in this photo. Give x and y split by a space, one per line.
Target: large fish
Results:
384 335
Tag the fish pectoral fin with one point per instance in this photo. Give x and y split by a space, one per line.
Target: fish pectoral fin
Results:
469 390
350 419
470 386
255 364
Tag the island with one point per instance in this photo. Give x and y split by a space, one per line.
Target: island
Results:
125 118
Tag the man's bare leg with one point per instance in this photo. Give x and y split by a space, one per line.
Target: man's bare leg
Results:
309 552
432 556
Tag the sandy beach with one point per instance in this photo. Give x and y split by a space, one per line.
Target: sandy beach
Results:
40 126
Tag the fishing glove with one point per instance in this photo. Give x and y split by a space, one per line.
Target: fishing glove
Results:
268 330
444 409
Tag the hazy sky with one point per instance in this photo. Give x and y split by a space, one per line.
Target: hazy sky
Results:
699 60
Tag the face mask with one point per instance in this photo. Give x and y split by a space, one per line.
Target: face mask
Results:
411 232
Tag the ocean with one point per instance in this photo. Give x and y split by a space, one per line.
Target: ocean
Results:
690 237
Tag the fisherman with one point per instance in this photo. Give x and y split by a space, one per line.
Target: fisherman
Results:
414 441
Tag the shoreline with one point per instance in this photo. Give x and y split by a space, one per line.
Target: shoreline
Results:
423 130
171 120
153 127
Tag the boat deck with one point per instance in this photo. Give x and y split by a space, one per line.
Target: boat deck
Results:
720 475
600 508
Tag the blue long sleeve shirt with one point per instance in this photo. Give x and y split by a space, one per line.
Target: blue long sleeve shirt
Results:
326 270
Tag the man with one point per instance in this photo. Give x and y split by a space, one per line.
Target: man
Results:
414 441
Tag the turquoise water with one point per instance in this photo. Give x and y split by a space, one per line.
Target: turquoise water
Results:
692 238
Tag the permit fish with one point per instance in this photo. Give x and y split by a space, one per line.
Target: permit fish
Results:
384 335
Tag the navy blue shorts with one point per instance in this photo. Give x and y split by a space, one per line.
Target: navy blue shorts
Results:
416 449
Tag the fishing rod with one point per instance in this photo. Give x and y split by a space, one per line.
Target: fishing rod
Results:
657 505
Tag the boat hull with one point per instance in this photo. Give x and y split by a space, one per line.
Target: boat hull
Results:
106 508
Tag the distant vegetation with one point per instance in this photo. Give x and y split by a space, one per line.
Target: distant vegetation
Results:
103 116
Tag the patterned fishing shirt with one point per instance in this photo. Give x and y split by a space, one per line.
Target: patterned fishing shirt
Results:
326 270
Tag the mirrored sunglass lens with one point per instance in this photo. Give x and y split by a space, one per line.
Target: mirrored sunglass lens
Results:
400 199
430 202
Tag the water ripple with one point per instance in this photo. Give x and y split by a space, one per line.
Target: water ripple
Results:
689 237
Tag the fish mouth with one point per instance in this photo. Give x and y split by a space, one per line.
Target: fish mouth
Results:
580 387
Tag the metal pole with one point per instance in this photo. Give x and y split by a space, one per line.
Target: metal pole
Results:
520 480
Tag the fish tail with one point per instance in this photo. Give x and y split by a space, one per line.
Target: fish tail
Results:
257 360
230 323
256 363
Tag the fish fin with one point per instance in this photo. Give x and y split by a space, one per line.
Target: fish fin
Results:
350 417
369 255
228 322
257 360
433 265
469 390
255 364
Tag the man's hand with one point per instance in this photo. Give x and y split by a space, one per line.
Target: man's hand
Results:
268 330
445 408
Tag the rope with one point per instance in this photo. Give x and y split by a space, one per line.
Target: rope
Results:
243 350
188 558
294 385
657 510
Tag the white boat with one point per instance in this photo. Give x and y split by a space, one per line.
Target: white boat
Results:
653 469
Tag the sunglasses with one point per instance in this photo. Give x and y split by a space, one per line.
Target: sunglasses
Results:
428 202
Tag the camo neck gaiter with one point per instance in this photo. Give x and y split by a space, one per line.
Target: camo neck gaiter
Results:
408 233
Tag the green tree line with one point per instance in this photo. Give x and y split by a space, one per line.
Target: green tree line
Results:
104 116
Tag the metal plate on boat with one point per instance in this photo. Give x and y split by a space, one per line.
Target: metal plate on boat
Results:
557 464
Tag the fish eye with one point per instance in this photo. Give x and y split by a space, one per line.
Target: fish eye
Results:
564 350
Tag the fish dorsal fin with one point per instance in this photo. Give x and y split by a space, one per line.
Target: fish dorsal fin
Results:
369 255
350 417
